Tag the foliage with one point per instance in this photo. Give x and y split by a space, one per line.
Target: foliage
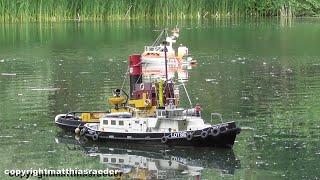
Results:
57 10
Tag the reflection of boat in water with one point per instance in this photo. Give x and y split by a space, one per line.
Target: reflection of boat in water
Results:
152 72
155 162
158 53
158 167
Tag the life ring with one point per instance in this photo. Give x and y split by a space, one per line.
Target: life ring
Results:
223 129
204 134
164 139
147 102
141 86
215 131
189 136
95 137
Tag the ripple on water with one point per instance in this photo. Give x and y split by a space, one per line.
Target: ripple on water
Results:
44 89
6 136
8 74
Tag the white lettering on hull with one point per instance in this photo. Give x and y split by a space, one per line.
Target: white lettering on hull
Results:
178 135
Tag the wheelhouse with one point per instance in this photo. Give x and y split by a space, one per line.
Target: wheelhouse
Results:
171 114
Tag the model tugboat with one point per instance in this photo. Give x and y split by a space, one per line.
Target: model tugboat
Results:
156 119
153 115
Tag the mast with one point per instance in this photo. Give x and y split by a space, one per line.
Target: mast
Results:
165 58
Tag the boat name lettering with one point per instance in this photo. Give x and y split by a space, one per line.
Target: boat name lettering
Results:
179 134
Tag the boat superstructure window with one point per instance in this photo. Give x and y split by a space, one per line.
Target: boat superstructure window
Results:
170 113
119 115
113 122
105 122
121 123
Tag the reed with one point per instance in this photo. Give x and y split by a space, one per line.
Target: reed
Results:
58 10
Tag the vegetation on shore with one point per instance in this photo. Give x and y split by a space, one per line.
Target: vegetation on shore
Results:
58 10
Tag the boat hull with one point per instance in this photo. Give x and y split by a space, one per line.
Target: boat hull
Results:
69 123
199 138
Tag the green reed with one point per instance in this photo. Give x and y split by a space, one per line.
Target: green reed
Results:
58 10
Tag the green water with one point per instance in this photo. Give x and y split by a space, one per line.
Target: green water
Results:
262 74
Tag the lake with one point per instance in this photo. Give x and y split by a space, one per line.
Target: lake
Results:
262 73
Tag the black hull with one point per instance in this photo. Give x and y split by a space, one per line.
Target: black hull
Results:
225 138
69 124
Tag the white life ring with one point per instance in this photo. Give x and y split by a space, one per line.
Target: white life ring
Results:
141 86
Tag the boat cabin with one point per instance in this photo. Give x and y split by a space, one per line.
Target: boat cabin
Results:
123 122
171 114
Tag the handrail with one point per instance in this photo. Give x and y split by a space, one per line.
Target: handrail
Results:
73 112
218 115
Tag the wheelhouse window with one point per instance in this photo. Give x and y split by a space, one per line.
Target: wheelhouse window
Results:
113 122
121 123
105 122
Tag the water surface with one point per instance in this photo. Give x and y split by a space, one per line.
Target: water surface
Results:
264 74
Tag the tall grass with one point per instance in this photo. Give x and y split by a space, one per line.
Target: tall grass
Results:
57 10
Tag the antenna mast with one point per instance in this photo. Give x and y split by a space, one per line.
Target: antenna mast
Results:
165 58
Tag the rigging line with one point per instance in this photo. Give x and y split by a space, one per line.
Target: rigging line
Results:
141 70
187 93
138 79
125 78
158 38
166 33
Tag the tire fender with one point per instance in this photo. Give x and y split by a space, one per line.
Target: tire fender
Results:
204 134
95 136
164 139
